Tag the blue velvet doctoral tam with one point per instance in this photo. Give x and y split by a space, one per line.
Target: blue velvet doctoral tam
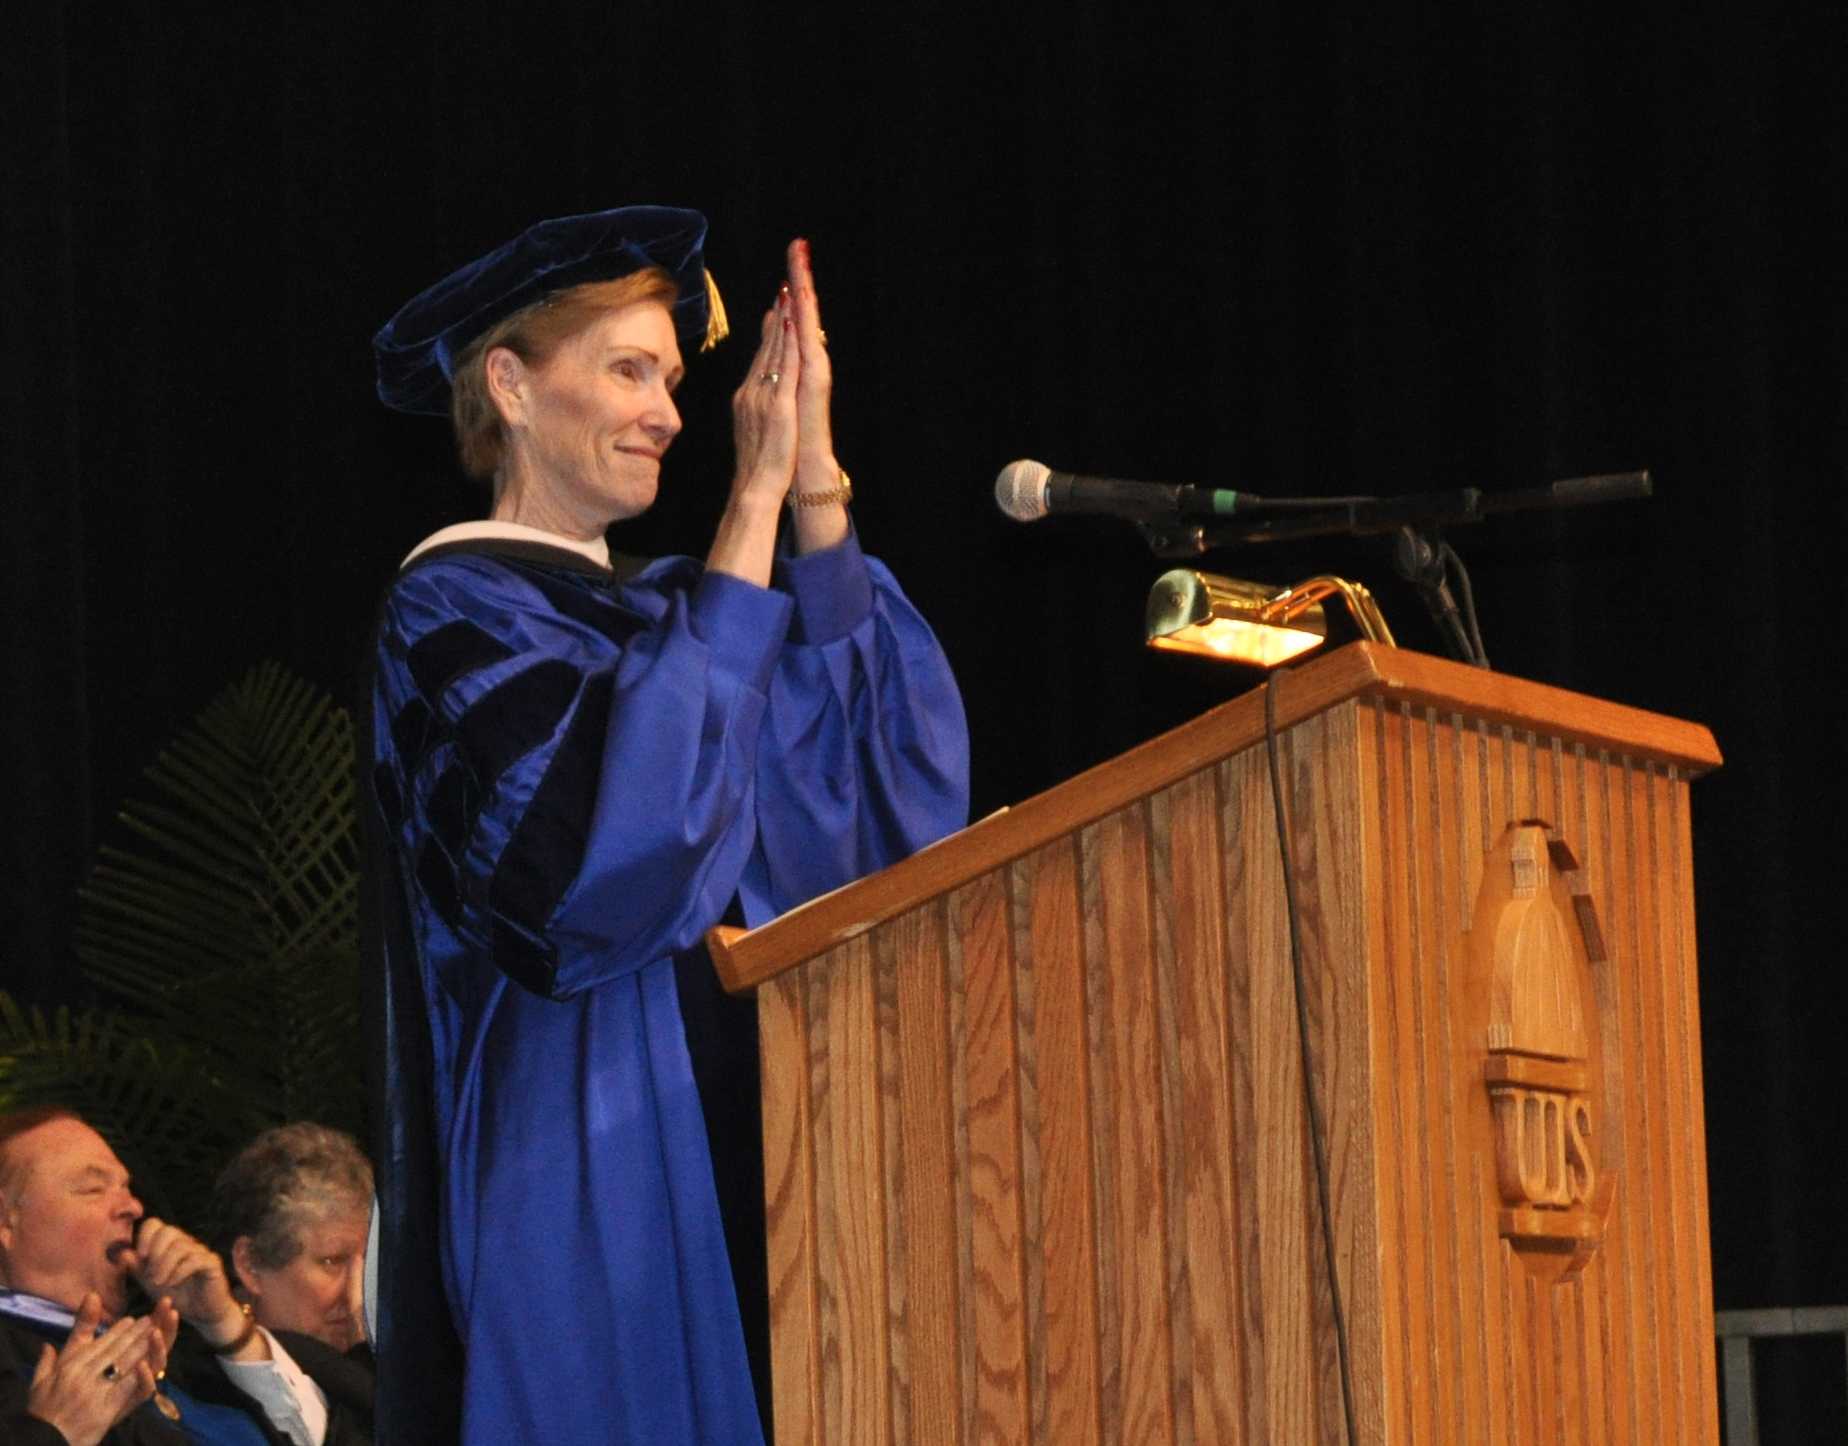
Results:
574 778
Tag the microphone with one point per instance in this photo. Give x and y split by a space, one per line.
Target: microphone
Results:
1573 492
1027 491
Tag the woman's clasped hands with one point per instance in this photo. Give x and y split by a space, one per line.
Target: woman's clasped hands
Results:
781 415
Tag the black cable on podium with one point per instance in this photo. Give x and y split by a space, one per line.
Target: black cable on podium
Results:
1317 1136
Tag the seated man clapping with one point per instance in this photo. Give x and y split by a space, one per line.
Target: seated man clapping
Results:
72 1238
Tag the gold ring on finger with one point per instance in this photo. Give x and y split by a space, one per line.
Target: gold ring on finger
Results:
772 378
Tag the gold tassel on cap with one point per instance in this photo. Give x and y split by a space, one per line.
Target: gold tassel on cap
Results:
717 327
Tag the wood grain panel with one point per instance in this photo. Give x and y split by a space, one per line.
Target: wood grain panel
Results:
1453 1038
1037 1162
994 1281
1543 1346
1613 876
1101 994
1639 1118
1514 1335
789 1212
1518 1323
1656 1049
963 1408
1668 1052
1430 1074
1175 1130
1491 1262
1025 1085
1555 1351
923 1235
823 1165
883 944
1256 931
1406 1254
1660 1049
1386 1111
1322 763
850 1190
1584 1364
1065 1234
1685 1022
1129 1127
1455 827
1289 1265
1590 1296
1189 900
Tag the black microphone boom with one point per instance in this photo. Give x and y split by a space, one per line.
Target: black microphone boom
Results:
1181 520
1027 491
1373 517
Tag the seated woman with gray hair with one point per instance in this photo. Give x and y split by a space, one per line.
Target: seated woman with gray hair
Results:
290 1215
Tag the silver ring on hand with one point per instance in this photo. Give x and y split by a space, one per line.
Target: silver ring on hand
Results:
110 1372
770 379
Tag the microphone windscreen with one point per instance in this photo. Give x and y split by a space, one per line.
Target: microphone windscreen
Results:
1610 487
1020 490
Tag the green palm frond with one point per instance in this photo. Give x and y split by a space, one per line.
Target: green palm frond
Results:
221 934
231 916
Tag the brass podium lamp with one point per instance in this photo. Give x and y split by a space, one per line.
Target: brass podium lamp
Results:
1251 622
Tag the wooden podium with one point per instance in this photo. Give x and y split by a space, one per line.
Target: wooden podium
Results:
1037 1158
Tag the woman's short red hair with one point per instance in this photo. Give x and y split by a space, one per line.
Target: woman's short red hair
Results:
532 334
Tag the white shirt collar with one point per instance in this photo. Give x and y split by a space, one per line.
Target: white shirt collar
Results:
23 1305
597 550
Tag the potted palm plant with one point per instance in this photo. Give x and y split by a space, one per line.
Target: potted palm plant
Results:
219 939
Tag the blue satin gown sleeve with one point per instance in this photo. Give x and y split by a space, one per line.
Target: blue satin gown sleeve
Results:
863 755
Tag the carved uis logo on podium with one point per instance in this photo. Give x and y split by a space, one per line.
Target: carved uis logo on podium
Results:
1534 938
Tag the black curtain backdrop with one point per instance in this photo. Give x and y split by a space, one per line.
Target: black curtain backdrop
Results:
1299 249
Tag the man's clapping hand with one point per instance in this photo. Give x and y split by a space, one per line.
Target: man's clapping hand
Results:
95 1380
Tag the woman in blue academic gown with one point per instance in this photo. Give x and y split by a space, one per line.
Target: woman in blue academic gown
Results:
574 775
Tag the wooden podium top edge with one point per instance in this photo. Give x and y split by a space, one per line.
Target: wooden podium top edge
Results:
745 959
1418 678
